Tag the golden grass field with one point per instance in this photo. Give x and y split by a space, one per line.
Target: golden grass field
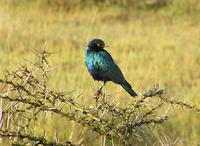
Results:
150 46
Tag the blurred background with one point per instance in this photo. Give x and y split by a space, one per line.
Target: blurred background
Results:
153 42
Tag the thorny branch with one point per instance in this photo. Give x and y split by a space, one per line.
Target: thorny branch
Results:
25 94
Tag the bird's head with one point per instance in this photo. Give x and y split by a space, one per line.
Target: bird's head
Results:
96 44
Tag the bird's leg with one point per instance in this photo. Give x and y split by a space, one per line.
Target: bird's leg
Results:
104 82
99 91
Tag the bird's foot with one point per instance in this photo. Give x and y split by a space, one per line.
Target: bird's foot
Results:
99 95
100 91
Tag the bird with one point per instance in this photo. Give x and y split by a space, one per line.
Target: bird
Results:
102 66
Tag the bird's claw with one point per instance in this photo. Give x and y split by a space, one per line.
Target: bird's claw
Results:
100 91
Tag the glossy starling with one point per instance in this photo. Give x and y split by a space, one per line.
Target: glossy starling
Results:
102 67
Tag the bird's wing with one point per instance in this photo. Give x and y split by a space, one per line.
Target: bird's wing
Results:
107 67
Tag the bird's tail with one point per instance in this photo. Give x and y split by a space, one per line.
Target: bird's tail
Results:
129 89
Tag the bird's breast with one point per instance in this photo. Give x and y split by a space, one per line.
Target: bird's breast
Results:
92 65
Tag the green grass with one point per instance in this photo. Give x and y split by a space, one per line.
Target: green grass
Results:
150 46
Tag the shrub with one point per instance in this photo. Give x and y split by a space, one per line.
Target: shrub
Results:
26 96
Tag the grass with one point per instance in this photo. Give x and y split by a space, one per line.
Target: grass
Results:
150 46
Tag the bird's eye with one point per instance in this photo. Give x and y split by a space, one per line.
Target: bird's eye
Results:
98 45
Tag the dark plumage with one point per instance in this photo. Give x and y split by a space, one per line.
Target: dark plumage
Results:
102 67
